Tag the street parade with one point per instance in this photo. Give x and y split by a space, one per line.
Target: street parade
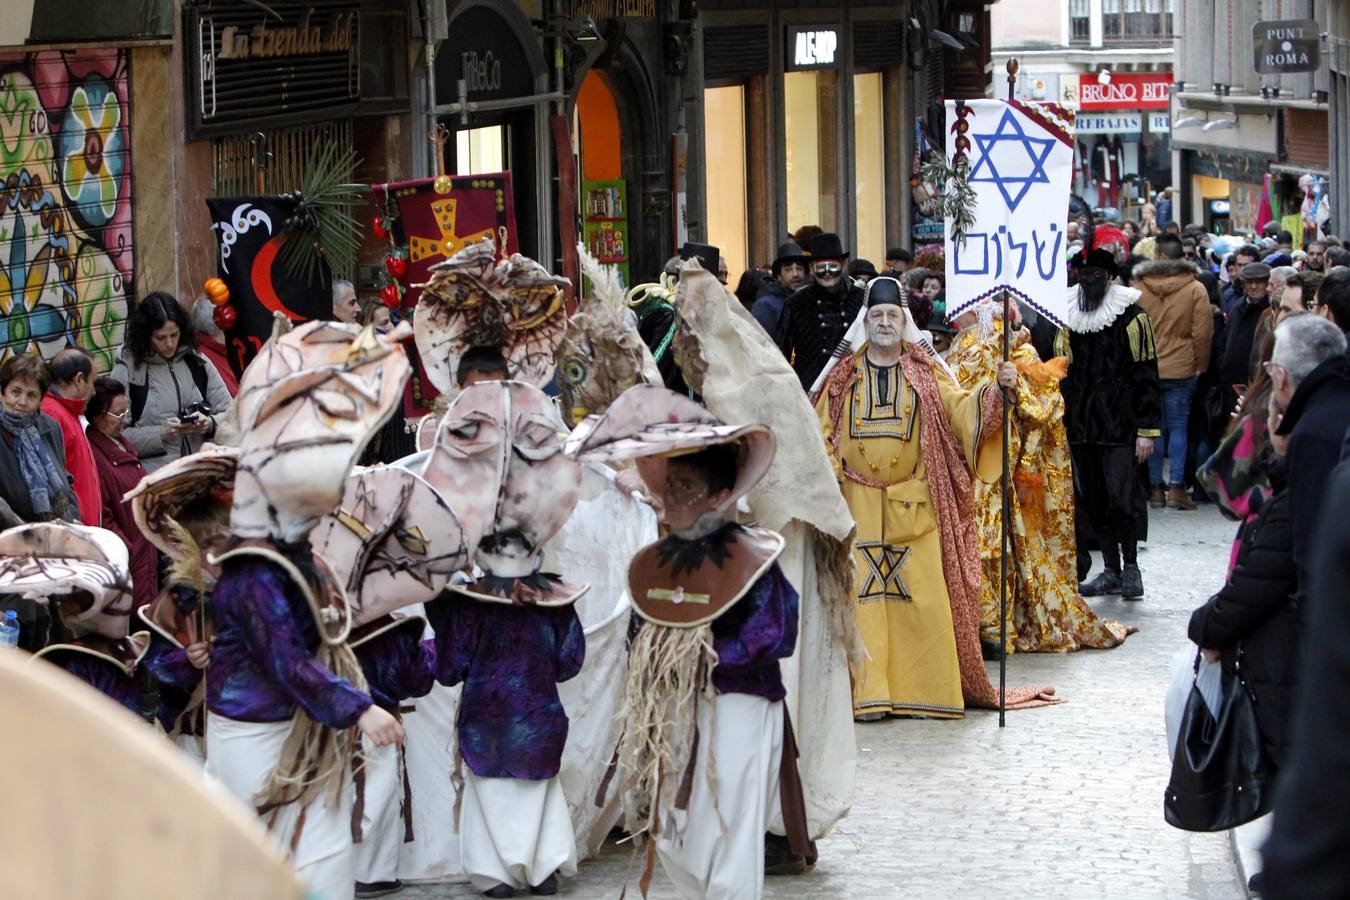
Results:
438 483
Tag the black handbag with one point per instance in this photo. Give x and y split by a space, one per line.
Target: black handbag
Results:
1221 776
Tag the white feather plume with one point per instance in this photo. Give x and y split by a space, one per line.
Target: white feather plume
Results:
606 288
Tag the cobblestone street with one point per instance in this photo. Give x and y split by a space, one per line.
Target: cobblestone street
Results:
1064 802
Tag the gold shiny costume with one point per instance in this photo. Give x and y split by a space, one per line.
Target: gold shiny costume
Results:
1045 611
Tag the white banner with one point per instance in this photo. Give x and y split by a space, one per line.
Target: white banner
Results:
1021 165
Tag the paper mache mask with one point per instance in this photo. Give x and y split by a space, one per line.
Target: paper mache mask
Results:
473 301
498 454
650 424
86 570
393 541
307 407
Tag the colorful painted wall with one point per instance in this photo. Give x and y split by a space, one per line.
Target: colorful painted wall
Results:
66 253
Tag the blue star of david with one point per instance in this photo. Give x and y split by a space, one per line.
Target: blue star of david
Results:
1037 157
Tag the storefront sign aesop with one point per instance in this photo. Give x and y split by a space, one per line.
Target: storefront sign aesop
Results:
811 47
253 69
1283 46
486 54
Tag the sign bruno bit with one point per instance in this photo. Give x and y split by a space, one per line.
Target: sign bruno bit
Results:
812 47
1285 46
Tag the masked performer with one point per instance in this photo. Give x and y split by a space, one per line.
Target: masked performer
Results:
184 510
82 574
905 438
706 759
283 689
741 376
510 635
1112 412
1045 612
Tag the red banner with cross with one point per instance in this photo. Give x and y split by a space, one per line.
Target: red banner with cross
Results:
429 220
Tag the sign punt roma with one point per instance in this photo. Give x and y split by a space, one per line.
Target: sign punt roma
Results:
249 235
434 226
1020 158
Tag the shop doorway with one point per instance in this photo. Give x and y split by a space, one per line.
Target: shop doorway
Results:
501 142
603 191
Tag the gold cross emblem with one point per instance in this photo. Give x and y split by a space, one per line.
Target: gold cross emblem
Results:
447 242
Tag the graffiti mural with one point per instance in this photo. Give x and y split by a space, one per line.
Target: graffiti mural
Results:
65 202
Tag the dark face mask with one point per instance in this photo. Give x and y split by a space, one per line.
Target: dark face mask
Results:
1093 282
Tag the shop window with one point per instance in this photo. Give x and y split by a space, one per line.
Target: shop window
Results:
480 151
724 130
233 169
810 101
869 166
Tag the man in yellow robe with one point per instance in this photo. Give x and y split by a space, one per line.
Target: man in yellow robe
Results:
904 439
1044 611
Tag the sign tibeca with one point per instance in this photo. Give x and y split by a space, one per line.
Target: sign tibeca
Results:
1284 46
1125 91
811 47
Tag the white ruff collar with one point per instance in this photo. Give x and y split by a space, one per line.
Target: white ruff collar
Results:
1118 298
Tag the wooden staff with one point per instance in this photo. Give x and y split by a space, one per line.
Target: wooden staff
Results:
1005 536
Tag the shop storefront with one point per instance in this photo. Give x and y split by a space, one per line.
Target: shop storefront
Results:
1222 167
1123 129
803 125
492 97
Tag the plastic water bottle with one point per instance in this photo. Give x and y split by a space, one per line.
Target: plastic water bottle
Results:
9 629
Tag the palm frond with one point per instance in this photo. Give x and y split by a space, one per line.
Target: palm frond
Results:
958 197
322 228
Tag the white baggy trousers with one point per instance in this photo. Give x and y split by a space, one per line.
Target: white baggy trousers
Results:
715 849
242 755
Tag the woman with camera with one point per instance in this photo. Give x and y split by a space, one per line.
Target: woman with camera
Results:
176 395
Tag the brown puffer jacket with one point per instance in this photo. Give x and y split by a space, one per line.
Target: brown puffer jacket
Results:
1178 306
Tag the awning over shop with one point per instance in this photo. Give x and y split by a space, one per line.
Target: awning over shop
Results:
80 20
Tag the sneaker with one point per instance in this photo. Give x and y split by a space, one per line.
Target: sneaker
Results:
1177 498
378 888
1155 497
501 890
1131 584
779 859
546 888
1107 582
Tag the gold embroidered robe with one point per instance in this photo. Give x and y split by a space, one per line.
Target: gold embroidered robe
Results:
904 612
1045 611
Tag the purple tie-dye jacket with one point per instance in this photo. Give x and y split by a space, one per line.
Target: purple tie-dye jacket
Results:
397 666
510 660
177 678
107 678
753 635
263 663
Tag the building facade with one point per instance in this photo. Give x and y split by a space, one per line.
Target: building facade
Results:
1111 61
1233 126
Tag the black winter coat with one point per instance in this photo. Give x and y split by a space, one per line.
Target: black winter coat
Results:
1306 856
814 321
1316 423
1256 608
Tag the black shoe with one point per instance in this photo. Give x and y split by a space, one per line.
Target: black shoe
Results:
869 717
1107 582
1131 584
1256 885
546 888
989 649
501 890
779 859
378 888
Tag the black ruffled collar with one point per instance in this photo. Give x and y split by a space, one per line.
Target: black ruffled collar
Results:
685 555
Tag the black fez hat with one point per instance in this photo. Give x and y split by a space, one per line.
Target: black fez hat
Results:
885 290
706 254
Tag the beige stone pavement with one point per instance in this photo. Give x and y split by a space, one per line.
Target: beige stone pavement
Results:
1065 801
